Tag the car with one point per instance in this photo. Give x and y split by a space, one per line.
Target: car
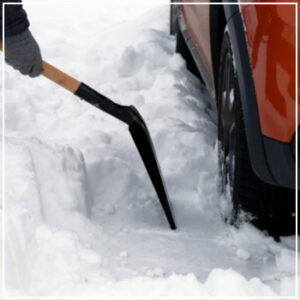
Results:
245 54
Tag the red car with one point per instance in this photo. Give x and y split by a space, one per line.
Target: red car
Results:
246 56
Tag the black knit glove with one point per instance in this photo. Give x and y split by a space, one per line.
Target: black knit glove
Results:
22 52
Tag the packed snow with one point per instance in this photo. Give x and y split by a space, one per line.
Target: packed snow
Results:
81 216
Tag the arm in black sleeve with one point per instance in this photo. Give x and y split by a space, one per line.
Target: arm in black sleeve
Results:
15 18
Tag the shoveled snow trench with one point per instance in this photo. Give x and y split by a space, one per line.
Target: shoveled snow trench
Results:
81 216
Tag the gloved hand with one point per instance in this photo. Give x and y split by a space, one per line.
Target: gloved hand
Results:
22 52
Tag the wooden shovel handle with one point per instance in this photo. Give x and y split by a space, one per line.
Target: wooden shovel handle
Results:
58 76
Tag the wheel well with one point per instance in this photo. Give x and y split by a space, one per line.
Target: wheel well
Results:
217 27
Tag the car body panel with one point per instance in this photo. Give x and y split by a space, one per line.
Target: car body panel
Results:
203 65
273 66
270 31
196 18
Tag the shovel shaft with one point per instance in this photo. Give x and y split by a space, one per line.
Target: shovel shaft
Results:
60 78
86 93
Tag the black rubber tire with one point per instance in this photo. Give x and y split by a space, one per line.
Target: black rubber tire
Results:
271 208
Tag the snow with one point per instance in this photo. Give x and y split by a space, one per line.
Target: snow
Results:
243 254
81 216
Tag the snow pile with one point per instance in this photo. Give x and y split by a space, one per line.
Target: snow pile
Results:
81 217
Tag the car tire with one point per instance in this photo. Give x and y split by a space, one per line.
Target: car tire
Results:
268 207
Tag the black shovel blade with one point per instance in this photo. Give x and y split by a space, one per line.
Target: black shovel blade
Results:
140 135
143 142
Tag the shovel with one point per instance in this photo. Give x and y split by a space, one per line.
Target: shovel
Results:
126 114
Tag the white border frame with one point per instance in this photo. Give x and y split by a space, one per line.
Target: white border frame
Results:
295 4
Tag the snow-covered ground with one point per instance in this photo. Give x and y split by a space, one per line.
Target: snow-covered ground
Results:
81 216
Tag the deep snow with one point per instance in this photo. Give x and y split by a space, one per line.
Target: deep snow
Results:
81 217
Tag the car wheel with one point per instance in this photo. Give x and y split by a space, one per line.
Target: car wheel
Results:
268 207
